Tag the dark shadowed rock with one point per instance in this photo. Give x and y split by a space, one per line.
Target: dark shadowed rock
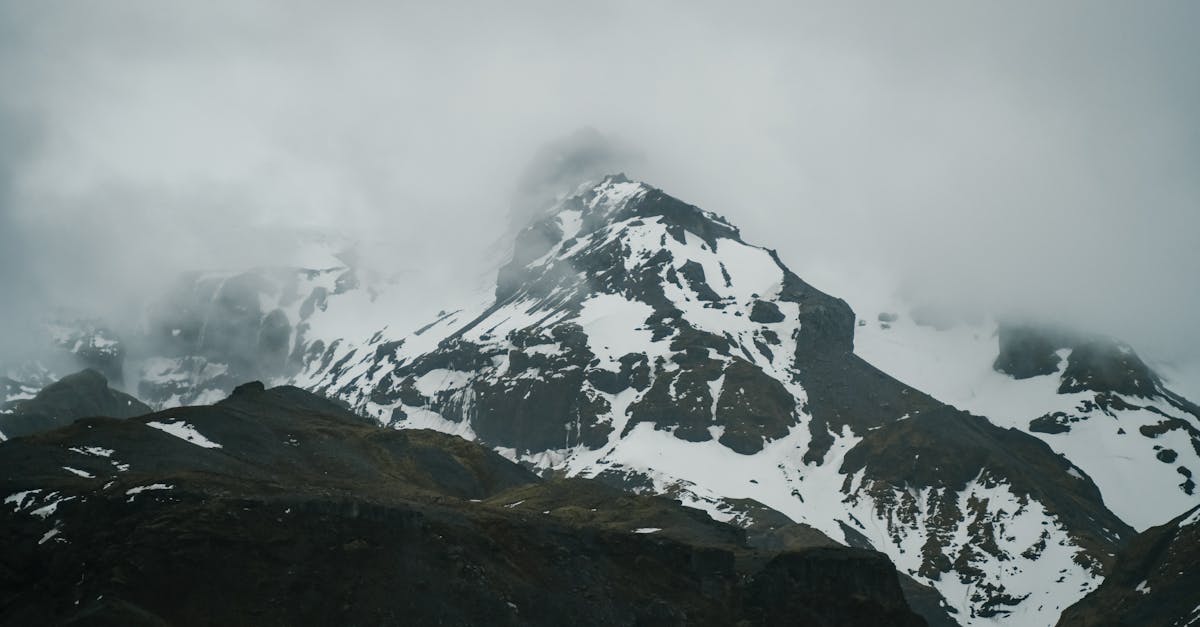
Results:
81 395
1027 351
1155 581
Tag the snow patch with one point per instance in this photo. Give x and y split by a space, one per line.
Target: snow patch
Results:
132 492
185 432
92 450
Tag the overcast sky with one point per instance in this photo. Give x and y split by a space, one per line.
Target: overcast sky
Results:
1025 157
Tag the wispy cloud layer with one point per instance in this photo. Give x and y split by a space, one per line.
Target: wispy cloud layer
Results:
1026 158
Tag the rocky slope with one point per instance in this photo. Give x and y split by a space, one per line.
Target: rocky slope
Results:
280 507
638 339
1153 583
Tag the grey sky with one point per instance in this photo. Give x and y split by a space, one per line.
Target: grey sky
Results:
1032 158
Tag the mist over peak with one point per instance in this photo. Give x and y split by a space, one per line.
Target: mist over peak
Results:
1031 161
562 164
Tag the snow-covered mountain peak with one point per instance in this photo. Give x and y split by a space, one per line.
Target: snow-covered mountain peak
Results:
639 339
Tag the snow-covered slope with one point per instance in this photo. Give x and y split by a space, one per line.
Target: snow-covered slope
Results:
637 338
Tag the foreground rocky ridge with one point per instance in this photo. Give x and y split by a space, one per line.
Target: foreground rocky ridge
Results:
277 506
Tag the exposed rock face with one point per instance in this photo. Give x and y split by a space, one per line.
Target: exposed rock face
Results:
636 338
1027 351
1154 582
1093 363
81 395
280 507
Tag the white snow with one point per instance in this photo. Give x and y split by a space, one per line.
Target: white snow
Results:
92 450
616 326
18 499
422 418
51 507
185 432
440 379
131 492
79 473
647 530
102 342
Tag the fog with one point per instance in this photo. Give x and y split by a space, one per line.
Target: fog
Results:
1025 159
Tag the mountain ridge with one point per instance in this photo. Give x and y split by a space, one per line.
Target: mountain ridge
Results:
637 339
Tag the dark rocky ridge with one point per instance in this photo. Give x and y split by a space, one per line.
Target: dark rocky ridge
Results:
1094 363
81 395
913 452
309 514
1154 583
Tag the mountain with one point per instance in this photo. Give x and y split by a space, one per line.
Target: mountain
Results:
80 395
281 507
1153 582
638 339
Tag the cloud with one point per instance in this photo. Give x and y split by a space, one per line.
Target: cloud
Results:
1029 159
